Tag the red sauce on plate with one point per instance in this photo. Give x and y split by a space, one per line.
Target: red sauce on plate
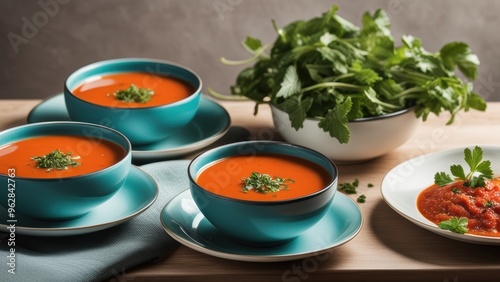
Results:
480 205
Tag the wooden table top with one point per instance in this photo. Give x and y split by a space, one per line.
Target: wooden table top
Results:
388 248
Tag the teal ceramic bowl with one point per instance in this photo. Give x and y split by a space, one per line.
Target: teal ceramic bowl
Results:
61 198
262 222
140 125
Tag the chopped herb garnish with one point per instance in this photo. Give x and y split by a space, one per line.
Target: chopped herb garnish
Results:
56 160
370 185
479 170
134 94
455 190
263 183
349 188
454 224
489 204
361 199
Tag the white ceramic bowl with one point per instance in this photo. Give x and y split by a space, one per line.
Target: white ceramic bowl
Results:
370 137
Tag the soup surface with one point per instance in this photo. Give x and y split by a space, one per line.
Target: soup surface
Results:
481 205
225 177
91 154
100 89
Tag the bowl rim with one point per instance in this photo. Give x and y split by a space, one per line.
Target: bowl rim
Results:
331 183
363 119
128 150
95 64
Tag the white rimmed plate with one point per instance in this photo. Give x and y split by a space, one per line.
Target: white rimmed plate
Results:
402 185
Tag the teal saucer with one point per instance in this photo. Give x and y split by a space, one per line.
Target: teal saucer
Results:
209 124
183 221
137 193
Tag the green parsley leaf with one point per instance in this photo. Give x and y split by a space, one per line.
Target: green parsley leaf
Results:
290 84
454 224
479 170
459 54
475 101
298 109
441 178
252 43
458 171
335 121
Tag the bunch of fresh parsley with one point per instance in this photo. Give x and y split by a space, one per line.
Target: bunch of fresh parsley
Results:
333 70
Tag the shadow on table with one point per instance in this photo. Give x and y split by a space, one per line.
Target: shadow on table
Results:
417 243
234 134
268 271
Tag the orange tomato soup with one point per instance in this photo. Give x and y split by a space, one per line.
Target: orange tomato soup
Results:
480 205
224 177
100 90
95 154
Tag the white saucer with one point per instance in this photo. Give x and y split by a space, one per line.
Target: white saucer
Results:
184 222
137 193
210 123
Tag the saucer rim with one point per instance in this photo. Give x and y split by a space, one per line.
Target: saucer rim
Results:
193 244
168 152
85 229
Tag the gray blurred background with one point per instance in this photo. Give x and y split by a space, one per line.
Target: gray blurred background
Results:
43 41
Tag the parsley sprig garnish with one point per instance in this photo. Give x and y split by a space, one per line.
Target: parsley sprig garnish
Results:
134 94
479 170
56 160
454 224
349 187
333 70
263 183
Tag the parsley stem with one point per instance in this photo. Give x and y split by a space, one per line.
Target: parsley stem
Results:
383 104
279 31
408 91
258 54
219 96
413 76
342 76
333 84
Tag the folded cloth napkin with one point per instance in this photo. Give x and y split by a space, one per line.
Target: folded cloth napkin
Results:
105 254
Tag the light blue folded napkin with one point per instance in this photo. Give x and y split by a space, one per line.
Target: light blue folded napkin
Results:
104 254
